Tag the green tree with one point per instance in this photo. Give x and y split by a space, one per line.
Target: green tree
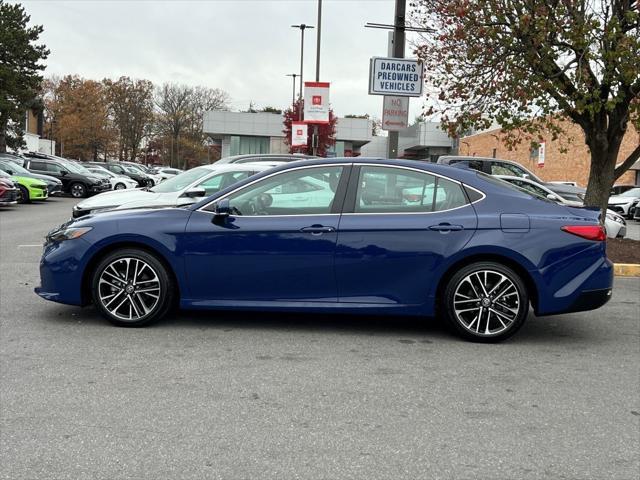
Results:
20 69
529 65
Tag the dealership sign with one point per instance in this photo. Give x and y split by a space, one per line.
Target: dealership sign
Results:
298 134
541 154
395 113
316 102
395 76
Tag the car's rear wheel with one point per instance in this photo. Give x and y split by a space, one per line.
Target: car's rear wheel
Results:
132 288
78 190
24 195
486 302
120 186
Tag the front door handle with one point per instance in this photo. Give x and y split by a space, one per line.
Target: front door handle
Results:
446 227
317 229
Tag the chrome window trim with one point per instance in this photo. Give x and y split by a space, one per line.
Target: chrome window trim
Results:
353 164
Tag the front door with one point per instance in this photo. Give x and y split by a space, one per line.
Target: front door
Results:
277 245
397 227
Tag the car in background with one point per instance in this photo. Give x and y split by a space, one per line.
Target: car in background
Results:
8 190
265 157
165 172
618 189
76 180
495 166
482 258
138 167
30 189
184 189
626 202
118 182
13 163
614 224
119 168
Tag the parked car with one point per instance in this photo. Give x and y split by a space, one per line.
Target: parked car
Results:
8 190
626 202
183 189
142 179
480 258
8 165
76 180
118 182
614 224
29 188
138 167
494 166
165 172
265 157
618 189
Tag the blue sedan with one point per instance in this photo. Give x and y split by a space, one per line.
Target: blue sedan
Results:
343 235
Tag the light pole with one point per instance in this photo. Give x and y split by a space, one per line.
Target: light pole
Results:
302 28
314 142
293 96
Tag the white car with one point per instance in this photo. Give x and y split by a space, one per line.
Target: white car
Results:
118 182
166 173
625 203
614 224
184 189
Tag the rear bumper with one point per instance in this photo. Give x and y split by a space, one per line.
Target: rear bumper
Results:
590 300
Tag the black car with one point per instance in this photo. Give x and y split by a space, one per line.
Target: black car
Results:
123 169
12 164
496 166
76 180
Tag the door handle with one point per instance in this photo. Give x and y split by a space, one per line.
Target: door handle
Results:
317 229
446 227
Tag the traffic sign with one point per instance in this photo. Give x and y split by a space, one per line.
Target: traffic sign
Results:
395 76
395 113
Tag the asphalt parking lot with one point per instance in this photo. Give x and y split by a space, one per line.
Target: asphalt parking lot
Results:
234 396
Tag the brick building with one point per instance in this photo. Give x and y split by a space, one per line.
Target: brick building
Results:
573 165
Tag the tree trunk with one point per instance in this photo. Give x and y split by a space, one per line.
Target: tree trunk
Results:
4 122
604 154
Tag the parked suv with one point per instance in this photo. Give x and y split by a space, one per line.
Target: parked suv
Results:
120 168
76 180
495 166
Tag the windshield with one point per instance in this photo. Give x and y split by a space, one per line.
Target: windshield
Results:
181 181
102 171
634 192
131 170
75 168
138 168
15 168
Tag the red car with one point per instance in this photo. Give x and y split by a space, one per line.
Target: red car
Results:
8 192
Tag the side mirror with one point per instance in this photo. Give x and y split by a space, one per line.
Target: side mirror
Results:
195 192
221 212
10 172
525 175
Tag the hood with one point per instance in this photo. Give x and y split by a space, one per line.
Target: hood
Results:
620 200
45 178
161 200
116 198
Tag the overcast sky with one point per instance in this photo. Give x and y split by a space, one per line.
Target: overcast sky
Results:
245 47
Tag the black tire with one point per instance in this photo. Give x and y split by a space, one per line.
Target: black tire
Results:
120 186
118 316
78 190
24 195
494 309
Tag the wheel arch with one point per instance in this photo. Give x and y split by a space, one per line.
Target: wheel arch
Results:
527 278
112 247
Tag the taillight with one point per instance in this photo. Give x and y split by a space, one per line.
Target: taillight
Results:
590 232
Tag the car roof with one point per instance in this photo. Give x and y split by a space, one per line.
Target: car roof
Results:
250 167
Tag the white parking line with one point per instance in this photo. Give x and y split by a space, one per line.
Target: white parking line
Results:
29 245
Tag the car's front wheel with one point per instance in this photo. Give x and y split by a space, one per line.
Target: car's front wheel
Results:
78 190
120 186
132 288
486 302
24 195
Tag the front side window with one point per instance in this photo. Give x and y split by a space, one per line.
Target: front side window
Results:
306 191
219 182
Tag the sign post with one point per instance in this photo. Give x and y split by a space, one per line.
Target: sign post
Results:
395 113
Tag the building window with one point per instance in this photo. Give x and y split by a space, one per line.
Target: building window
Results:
248 145
534 153
495 152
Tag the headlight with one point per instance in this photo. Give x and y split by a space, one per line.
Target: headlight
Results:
615 218
68 233
580 196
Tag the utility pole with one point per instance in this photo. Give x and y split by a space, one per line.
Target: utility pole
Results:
314 138
398 52
302 28
293 96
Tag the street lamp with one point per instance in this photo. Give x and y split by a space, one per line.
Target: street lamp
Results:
293 96
302 28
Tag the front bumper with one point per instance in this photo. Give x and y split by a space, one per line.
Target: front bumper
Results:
9 197
38 193
55 189
100 187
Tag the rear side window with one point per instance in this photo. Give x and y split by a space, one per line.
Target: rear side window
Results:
473 164
395 190
36 165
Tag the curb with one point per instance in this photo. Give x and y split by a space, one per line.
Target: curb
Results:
626 269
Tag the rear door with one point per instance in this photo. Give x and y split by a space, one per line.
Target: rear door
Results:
397 227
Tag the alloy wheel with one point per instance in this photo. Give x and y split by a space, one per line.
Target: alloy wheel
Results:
120 186
77 190
486 302
129 289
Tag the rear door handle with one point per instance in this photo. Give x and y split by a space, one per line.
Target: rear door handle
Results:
317 229
446 227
